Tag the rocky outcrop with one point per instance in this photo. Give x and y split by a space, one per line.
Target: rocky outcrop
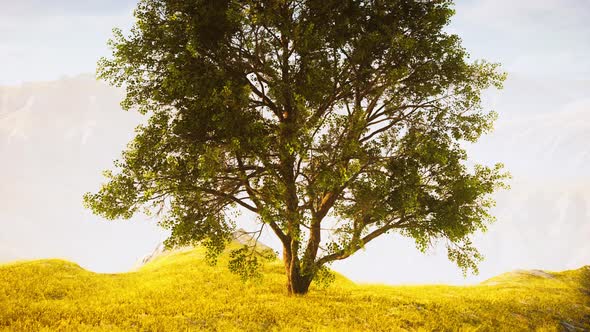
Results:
246 238
240 236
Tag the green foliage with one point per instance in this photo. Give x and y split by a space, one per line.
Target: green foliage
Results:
247 260
297 110
324 277
180 291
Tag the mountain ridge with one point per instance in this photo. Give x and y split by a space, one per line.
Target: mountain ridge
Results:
56 148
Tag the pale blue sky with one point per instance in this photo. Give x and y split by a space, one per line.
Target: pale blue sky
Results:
42 40
541 38
64 7
45 40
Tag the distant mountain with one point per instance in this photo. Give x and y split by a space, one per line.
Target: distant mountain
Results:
56 138
543 138
546 145
75 111
53 135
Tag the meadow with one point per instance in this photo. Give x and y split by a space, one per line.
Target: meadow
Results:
179 291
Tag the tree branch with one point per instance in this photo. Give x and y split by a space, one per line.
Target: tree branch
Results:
347 252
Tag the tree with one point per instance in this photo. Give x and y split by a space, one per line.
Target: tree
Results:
334 121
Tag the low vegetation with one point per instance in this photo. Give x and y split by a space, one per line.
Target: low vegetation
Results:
179 291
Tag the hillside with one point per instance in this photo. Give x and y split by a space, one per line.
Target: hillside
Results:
179 291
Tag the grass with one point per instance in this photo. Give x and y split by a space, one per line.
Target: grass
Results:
180 292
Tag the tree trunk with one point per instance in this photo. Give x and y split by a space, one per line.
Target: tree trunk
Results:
297 283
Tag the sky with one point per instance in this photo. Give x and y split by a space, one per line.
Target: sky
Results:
48 54
537 38
43 40
46 40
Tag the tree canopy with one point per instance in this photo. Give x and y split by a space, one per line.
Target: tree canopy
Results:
334 121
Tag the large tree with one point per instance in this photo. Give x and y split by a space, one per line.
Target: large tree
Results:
334 121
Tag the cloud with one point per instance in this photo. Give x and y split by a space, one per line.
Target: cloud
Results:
31 8
46 40
506 13
542 131
537 38
49 47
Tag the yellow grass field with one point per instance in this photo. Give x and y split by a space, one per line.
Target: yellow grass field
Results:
180 292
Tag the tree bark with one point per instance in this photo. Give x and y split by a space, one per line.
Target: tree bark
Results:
297 282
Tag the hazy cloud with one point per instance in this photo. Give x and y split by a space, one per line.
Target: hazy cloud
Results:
503 14
44 47
28 8
541 38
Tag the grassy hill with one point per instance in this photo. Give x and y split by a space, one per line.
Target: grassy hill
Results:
179 291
